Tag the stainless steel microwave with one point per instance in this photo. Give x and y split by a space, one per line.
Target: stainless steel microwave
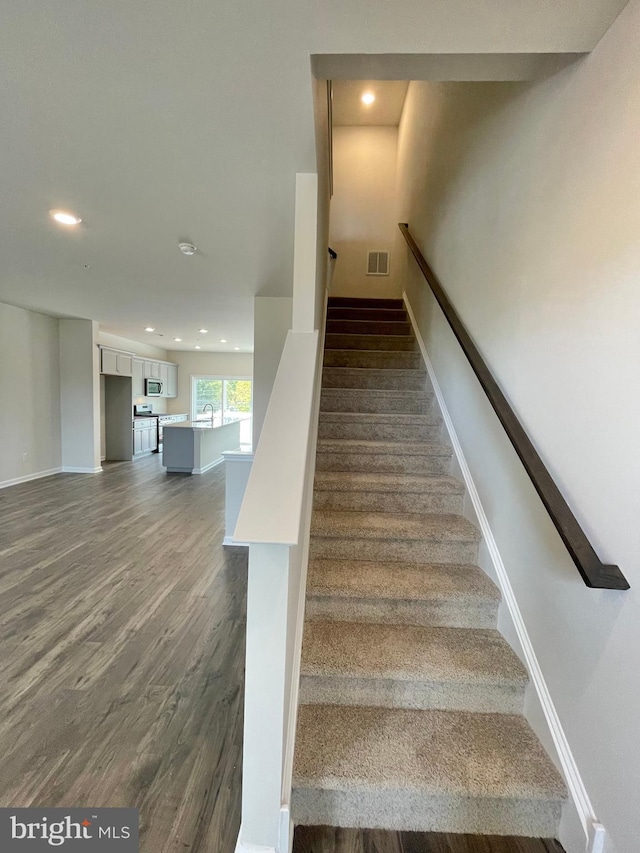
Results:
152 388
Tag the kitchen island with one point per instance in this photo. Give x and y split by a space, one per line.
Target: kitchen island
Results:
193 447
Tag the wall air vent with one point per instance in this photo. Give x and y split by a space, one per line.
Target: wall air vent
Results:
377 263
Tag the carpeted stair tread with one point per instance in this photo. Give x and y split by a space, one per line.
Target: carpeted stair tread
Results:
348 312
368 327
399 418
374 400
404 448
355 481
370 579
373 358
346 747
395 379
367 302
391 526
409 653
392 343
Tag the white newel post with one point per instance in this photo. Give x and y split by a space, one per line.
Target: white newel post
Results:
267 600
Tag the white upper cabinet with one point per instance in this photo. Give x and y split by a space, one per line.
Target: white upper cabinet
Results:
138 377
115 363
119 363
171 388
164 378
152 370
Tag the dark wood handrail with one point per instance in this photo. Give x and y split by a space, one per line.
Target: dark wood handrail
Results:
594 572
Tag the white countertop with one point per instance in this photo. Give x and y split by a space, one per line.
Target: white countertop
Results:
205 424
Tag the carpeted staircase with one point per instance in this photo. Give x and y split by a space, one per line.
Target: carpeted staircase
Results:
410 700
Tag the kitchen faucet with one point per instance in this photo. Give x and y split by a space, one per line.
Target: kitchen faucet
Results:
204 409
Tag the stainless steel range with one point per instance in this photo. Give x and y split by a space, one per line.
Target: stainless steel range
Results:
146 411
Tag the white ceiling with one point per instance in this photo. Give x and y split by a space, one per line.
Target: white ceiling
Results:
348 108
160 122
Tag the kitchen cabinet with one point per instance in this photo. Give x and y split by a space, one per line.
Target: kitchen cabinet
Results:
152 370
115 363
138 377
172 381
145 435
164 378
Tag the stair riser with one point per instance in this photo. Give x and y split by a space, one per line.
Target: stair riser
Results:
381 432
398 343
408 550
419 695
380 380
370 402
379 359
413 810
355 302
437 614
367 327
382 463
396 315
387 502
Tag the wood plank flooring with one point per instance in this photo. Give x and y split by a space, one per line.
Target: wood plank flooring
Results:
122 625
325 839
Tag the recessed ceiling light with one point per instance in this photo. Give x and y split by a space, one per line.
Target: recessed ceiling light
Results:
368 98
223 340
177 340
196 347
187 248
236 348
65 218
149 329
203 331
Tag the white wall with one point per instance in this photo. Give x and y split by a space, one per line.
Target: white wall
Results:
526 200
271 322
363 209
79 395
29 394
201 364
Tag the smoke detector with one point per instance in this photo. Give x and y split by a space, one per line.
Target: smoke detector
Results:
187 248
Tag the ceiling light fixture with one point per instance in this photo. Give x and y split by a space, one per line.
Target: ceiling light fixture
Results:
187 248
64 217
236 348
223 340
149 329
203 331
177 340
196 347
368 98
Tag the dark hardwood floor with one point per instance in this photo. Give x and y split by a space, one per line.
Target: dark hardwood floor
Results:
325 839
122 651
122 626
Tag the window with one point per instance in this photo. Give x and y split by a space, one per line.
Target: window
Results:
218 399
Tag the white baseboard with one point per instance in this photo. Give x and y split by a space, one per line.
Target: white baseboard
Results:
28 477
593 831
69 469
285 844
209 466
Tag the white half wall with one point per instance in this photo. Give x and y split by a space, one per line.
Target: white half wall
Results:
525 199
363 209
29 395
272 321
80 395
